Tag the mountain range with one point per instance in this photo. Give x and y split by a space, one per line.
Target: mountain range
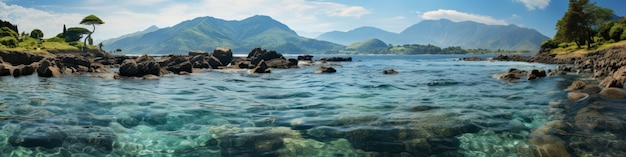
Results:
446 33
208 33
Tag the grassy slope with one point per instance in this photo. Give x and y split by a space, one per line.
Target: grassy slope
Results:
30 45
573 51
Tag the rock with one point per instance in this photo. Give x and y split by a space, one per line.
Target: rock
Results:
176 64
214 62
129 69
325 70
38 136
390 72
258 54
281 63
17 71
182 68
591 89
473 59
20 58
337 59
616 80
224 55
613 93
261 68
548 145
536 74
48 68
199 61
305 57
5 69
576 85
577 96
194 53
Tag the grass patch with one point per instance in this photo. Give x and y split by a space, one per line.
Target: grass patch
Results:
572 49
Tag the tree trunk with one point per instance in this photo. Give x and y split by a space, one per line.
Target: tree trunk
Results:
88 36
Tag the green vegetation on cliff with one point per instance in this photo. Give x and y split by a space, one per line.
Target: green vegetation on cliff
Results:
68 40
584 27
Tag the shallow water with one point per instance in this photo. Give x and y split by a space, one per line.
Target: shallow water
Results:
436 105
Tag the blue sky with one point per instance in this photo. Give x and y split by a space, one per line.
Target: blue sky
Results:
307 17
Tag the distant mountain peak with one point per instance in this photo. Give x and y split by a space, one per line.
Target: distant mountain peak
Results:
444 32
207 33
151 28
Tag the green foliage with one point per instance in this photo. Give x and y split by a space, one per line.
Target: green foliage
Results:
75 33
550 44
616 32
9 42
91 20
8 25
604 29
578 23
8 32
36 33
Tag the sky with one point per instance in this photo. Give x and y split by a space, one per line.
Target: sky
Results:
308 18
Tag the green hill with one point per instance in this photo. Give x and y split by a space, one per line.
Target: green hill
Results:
368 44
207 33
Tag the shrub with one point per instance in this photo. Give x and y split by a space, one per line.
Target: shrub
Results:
616 32
550 44
56 39
9 41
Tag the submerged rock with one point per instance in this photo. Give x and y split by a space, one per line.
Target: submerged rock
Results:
390 72
613 93
325 70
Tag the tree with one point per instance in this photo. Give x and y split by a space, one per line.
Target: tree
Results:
616 32
92 20
578 23
36 33
64 29
75 33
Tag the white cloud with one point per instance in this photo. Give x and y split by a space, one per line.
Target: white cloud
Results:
456 16
535 4
123 17
28 19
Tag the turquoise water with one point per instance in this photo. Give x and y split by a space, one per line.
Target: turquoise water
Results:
435 106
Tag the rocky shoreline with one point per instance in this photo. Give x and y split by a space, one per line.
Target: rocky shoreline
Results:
591 121
259 60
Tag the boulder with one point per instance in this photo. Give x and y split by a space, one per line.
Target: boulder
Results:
325 70
616 80
17 71
182 68
261 68
576 85
129 68
48 68
214 62
613 93
257 54
224 55
536 74
199 61
305 57
5 69
176 63
390 72
592 89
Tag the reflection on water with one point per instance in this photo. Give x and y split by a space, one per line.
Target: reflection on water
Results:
435 106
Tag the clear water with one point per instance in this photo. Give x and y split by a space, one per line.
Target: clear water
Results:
435 106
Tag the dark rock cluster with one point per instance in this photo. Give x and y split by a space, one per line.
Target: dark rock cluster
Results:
51 65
